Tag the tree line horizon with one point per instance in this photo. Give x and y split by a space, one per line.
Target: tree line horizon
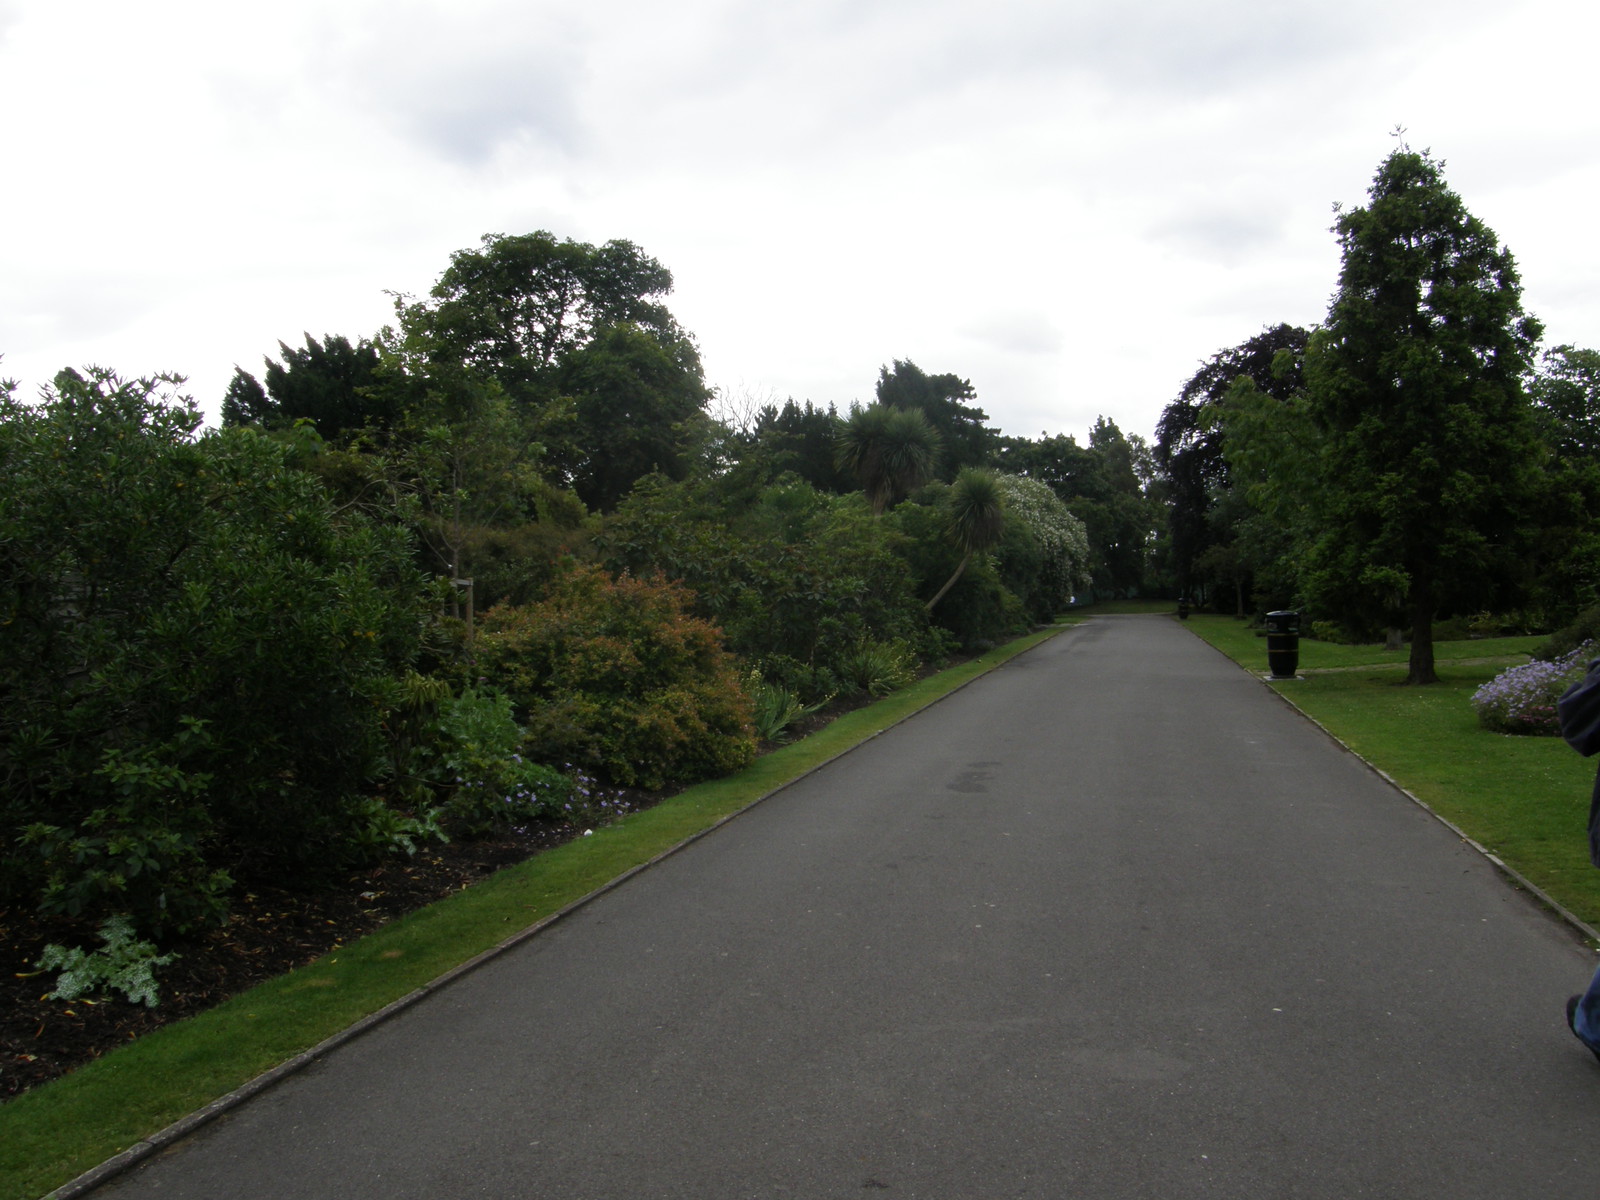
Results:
436 580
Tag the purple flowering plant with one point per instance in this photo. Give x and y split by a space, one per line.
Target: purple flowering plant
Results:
1523 699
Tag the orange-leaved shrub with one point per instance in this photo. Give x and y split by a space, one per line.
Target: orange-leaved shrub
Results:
615 675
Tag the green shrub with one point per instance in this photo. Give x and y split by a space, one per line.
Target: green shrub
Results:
1584 629
775 708
878 668
795 578
617 676
491 785
199 653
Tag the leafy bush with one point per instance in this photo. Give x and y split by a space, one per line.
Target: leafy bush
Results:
618 677
199 654
1055 558
1583 630
492 785
1523 699
123 964
795 578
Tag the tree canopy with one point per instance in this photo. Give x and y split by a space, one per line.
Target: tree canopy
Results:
1417 382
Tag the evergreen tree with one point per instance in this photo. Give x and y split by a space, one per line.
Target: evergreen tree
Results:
1417 382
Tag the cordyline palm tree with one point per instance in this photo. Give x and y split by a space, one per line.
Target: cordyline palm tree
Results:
892 451
977 519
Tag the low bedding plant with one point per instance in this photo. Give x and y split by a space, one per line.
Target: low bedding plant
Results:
1523 699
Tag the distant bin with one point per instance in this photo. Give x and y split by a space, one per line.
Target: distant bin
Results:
1283 643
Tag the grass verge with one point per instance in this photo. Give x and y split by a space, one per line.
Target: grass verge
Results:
54 1133
1524 799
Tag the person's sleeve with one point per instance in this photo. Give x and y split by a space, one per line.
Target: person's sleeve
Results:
1579 711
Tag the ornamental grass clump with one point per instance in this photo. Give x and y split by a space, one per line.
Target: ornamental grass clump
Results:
1523 699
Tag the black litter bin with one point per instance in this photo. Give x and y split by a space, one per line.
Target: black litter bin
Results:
1283 643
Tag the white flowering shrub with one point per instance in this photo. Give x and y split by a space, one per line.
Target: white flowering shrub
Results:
1060 536
1523 699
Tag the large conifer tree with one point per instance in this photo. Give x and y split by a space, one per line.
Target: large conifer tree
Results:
1417 381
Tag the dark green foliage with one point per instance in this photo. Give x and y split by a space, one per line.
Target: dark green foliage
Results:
795 578
246 401
198 655
1583 629
491 786
978 609
514 308
618 677
800 441
331 383
1417 382
975 517
575 337
1189 443
964 439
890 451
1101 485
1565 562
635 399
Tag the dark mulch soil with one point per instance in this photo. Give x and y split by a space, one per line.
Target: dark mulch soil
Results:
270 931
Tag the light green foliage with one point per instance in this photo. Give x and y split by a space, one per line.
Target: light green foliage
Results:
123 964
618 677
775 708
382 831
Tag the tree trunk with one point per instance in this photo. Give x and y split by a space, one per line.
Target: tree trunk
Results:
1421 665
949 583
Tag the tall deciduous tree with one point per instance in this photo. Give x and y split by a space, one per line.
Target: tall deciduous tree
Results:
518 304
1417 381
1189 445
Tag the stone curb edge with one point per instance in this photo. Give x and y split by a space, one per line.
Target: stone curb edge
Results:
184 1126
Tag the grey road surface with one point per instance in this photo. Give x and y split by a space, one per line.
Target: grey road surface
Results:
1113 921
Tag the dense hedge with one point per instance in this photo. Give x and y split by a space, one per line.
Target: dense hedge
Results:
199 655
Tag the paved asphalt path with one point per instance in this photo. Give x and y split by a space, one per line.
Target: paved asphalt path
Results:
1113 921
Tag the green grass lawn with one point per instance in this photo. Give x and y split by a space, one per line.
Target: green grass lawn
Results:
55 1132
1525 799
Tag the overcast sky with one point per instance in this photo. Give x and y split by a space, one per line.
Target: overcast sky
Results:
1071 204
